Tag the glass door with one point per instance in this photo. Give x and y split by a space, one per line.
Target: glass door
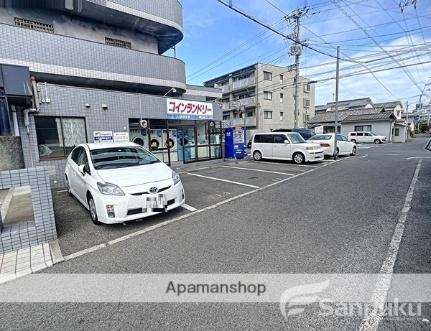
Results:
186 144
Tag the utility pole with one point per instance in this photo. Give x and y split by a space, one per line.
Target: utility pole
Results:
407 119
337 83
296 50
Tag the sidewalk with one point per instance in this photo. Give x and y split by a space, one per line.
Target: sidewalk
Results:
28 260
24 261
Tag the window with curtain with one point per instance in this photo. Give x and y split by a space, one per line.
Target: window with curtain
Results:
58 136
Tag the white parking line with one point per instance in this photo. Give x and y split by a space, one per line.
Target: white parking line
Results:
364 156
418 157
182 217
222 180
371 321
62 191
189 208
288 164
259 170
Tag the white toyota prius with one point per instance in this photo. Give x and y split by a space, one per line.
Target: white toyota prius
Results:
120 182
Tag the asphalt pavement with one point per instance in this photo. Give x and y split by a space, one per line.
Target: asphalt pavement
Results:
334 217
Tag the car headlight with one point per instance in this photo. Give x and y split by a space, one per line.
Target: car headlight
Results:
176 178
110 189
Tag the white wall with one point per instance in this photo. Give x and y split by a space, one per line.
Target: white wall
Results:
401 138
383 128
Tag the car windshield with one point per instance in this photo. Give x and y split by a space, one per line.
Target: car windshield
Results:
321 137
121 157
295 138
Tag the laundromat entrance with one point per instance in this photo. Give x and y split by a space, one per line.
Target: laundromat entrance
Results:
178 140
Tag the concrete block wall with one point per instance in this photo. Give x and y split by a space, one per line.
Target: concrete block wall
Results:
42 229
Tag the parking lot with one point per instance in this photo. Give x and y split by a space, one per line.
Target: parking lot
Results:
205 186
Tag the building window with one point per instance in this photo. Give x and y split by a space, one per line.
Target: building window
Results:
281 79
226 117
397 132
267 75
307 87
267 95
362 128
57 136
281 116
250 113
32 25
281 97
306 103
306 118
118 43
267 114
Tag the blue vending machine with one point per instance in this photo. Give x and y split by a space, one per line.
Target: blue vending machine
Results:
234 144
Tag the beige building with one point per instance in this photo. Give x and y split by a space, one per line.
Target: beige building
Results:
265 93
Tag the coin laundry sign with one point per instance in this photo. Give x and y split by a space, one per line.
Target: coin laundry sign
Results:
189 110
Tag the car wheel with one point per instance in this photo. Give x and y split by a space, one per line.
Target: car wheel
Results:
93 211
353 151
257 156
353 141
69 191
377 141
298 158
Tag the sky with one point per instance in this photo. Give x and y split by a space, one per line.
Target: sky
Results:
373 35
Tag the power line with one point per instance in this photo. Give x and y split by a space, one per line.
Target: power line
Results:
408 74
289 37
231 53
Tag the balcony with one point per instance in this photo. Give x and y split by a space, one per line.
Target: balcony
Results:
49 55
226 88
161 18
244 83
236 104
249 121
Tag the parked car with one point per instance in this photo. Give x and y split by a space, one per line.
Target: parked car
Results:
306 133
365 137
120 182
285 146
327 142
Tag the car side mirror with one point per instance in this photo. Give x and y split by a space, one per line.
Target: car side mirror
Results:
82 169
286 141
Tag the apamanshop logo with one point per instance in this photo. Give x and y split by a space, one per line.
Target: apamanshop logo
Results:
294 300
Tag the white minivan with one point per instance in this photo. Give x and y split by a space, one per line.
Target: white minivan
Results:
285 146
365 137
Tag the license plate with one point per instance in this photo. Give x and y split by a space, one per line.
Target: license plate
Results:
155 203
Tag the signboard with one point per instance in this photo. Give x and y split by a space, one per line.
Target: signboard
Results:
189 110
318 129
103 136
121 137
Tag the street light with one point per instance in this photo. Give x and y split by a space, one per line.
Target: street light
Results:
173 90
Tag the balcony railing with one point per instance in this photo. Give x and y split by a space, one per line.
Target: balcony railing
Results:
167 9
64 56
236 104
249 121
226 88
243 83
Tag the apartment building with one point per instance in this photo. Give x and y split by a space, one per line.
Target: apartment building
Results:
99 70
264 93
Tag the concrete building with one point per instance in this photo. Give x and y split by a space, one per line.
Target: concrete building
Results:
267 94
99 72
